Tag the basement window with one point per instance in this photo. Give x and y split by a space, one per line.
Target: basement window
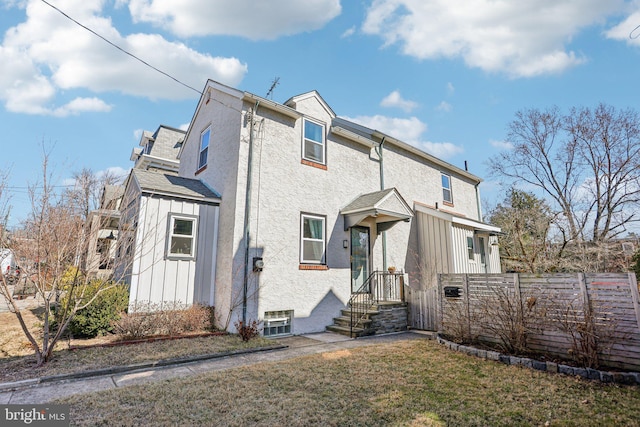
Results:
277 323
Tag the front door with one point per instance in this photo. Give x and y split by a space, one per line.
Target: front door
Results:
360 255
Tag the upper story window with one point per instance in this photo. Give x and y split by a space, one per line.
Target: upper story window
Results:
313 146
182 237
313 238
148 147
204 147
447 195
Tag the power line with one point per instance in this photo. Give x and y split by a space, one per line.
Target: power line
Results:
121 49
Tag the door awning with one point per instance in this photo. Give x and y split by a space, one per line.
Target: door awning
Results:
385 207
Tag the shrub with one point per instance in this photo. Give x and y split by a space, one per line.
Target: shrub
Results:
134 326
171 319
98 317
248 331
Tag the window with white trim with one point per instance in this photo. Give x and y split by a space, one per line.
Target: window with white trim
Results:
204 147
470 248
447 195
277 323
313 146
313 239
181 241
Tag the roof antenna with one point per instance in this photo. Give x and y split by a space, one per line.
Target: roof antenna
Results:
275 83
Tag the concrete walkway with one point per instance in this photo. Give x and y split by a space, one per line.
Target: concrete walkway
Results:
37 392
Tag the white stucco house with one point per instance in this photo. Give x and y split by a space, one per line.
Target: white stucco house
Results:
290 210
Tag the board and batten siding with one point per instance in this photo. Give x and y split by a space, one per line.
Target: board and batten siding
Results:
434 243
161 281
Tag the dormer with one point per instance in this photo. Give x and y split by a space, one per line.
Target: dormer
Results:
159 150
311 104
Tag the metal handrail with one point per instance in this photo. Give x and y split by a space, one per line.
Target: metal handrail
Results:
380 286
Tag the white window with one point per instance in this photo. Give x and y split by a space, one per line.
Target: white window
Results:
447 196
481 248
312 245
182 237
277 323
313 142
470 249
204 147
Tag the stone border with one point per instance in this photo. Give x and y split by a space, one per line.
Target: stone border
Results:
628 378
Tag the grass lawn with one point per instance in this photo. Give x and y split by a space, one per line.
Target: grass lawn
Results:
413 382
18 363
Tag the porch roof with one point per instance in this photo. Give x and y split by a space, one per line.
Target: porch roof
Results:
386 207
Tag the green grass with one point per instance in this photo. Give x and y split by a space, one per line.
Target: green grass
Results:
411 382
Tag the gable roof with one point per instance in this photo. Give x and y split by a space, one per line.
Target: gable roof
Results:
172 186
385 207
291 102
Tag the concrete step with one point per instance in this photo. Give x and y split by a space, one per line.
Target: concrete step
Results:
346 321
347 312
345 330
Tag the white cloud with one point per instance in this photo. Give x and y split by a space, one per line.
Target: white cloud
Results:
450 88
628 30
444 106
348 33
502 145
246 18
48 53
519 38
410 131
394 99
80 105
184 126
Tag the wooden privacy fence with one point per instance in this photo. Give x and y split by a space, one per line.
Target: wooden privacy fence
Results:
591 318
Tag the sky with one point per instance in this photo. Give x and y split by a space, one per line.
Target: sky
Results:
445 76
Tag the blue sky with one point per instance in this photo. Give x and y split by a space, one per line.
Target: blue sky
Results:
445 76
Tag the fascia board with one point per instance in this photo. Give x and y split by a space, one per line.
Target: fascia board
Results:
352 136
263 102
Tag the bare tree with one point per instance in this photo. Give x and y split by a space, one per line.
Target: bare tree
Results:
585 161
51 244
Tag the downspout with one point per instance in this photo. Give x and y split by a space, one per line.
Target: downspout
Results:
247 215
379 150
478 202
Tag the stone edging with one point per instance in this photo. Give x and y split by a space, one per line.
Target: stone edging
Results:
629 378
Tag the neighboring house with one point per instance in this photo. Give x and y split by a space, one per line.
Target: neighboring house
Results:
103 231
302 208
159 152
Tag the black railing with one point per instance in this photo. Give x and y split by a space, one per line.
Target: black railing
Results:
380 286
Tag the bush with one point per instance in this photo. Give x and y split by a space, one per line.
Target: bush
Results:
248 331
172 319
99 316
